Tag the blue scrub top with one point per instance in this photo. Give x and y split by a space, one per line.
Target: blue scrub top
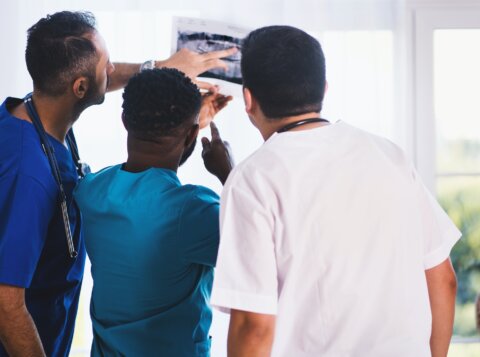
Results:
152 243
33 247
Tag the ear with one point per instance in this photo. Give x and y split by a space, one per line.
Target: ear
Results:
80 87
249 100
191 135
326 88
124 122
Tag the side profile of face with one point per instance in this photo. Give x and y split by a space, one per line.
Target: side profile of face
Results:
100 80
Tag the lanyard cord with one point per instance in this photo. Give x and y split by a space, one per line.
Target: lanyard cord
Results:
301 122
50 152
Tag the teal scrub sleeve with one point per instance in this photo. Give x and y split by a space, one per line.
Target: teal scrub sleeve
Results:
199 227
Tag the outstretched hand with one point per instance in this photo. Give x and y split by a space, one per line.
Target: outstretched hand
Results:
217 155
212 103
192 63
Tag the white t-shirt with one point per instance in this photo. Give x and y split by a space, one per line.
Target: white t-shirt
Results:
331 229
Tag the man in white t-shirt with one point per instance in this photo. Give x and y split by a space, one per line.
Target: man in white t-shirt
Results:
330 244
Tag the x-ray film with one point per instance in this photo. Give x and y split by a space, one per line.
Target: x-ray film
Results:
205 36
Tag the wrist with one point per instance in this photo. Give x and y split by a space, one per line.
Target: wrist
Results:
149 64
223 176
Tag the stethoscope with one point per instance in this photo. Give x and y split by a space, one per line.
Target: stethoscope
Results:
82 168
300 123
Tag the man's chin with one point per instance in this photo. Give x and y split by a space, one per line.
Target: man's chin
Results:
101 99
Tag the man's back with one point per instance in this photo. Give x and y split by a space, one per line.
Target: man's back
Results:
152 243
338 236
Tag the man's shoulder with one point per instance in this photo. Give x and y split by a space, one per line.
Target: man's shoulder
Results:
21 154
197 194
104 173
93 180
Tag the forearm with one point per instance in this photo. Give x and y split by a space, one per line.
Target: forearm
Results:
122 73
19 335
443 312
249 337
442 292
248 345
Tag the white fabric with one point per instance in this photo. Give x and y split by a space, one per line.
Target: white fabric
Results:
332 230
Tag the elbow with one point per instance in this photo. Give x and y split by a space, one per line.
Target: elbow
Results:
257 333
452 283
250 334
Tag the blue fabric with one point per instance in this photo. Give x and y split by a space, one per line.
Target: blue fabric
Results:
153 244
33 247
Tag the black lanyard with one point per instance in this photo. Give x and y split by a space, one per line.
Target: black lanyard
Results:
301 122
50 152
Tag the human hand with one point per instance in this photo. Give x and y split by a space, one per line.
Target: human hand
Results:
192 63
212 103
217 155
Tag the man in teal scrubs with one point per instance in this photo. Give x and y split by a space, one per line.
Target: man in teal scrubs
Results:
152 241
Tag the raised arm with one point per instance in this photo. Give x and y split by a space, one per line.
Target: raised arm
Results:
18 333
250 334
442 288
189 62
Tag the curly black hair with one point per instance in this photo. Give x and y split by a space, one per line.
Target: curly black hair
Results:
158 101
57 50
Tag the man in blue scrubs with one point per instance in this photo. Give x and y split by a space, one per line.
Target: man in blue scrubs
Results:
152 241
39 280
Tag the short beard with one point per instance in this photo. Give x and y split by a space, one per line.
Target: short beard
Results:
188 152
93 95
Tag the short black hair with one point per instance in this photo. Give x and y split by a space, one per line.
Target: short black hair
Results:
58 51
156 102
284 68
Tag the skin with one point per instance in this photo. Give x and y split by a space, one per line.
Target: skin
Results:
18 333
251 334
268 126
442 289
217 155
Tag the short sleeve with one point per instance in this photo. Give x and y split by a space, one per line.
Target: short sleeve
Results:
439 232
25 213
199 227
246 274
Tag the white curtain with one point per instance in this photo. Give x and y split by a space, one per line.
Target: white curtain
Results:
364 42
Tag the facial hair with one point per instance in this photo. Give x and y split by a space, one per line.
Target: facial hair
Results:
93 96
188 152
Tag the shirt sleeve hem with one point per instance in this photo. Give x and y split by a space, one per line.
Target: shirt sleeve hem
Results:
9 280
224 300
440 254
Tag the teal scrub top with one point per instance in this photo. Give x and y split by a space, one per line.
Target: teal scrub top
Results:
152 243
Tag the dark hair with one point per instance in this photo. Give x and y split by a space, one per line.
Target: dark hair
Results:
284 68
158 101
58 51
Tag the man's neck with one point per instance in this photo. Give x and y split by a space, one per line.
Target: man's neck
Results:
271 126
143 155
56 113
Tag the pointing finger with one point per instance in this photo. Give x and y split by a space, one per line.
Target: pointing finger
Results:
214 131
205 143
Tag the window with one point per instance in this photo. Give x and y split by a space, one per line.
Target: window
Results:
451 60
